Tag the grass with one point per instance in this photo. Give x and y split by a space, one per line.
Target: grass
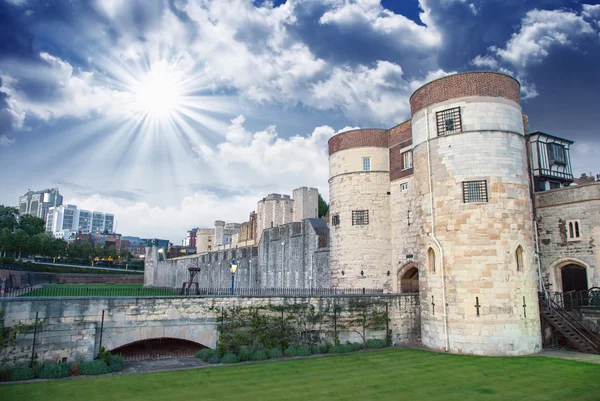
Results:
392 374
99 290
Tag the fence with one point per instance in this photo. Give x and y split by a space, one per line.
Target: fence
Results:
574 300
130 291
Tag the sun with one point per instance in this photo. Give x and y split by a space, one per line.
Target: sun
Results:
160 92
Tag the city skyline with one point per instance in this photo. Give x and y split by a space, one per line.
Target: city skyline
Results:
174 114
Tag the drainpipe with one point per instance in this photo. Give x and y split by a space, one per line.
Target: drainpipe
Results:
432 233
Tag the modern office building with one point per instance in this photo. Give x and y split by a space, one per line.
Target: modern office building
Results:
66 221
37 203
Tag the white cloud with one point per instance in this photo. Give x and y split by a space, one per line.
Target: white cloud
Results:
485 62
592 12
6 141
540 31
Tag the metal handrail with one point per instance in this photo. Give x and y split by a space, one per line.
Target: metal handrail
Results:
569 320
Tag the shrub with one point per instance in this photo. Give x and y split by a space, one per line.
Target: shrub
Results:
92 368
260 355
36 367
303 350
4 373
324 348
355 346
315 350
206 353
375 344
275 353
75 366
21 373
55 371
214 359
340 349
117 363
291 351
230 358
246 354
104 355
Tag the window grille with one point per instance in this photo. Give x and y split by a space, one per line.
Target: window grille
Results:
448 121
360 217
404 186
475 191
366 164
335 220
407 159
557 154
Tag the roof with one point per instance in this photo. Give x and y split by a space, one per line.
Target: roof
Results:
319 226
551 136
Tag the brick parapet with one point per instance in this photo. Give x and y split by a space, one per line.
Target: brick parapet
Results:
466 84
359 138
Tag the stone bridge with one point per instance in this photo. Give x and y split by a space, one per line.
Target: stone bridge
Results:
73 326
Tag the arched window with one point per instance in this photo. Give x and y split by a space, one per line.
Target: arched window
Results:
431 260
519 258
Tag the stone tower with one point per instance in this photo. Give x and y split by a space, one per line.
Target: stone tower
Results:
306 203
359 210
477 276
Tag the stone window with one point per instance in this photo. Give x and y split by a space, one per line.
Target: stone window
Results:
335 220
366 163
554 185
573 231
519 258
448 121
360 217
404 186
431 260
254 251
557 154
407 160
475 191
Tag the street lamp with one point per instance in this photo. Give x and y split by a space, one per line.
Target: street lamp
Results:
233 270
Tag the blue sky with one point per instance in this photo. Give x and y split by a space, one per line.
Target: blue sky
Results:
172 114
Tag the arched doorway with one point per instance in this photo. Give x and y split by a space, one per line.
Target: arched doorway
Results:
409 281
574 278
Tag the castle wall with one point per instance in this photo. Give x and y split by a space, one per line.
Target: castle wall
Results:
554 209
478 240
360 248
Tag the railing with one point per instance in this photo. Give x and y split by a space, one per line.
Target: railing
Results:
575 300
132 291
287 291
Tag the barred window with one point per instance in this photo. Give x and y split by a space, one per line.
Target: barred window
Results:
407 160
475 191
557 154
335 220
366 164
360 217
404 186
448 121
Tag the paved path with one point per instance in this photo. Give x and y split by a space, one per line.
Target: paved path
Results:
570 355
160 365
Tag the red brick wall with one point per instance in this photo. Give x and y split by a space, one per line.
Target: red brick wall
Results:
73 278
467 84
400 134
359 138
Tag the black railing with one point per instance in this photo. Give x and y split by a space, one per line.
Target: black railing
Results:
575 300
130 291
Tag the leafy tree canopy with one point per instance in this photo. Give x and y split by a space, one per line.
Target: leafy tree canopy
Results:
8 217
323 206
31 225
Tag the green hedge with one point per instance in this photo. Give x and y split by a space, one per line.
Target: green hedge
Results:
230 358
55 371
92 368
21 373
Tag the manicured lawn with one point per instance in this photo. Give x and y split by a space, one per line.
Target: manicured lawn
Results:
74 290
393 374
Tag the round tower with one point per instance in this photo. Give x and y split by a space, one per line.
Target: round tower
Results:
477 275
359 210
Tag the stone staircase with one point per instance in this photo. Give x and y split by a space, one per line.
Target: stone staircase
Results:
580 336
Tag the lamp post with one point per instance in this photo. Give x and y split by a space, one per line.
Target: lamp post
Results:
233 269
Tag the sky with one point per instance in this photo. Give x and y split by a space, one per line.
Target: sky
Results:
173 114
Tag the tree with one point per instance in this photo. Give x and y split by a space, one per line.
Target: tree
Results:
86 251
20 243
8 217
111 252
5 240
323 207
36 244
98 251
31 225
125 255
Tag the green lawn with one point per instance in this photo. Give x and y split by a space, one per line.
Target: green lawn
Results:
393 374
74 290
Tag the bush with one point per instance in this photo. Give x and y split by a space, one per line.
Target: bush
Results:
303 350
55 371
355 346
324 348
275 353
230 358
117 363
340 349
92 368
214 359
104 355
4 373
291 351
206 353
246 354
375 344
260 355
21 373
75 366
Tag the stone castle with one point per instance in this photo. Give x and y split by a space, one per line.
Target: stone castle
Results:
461 204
